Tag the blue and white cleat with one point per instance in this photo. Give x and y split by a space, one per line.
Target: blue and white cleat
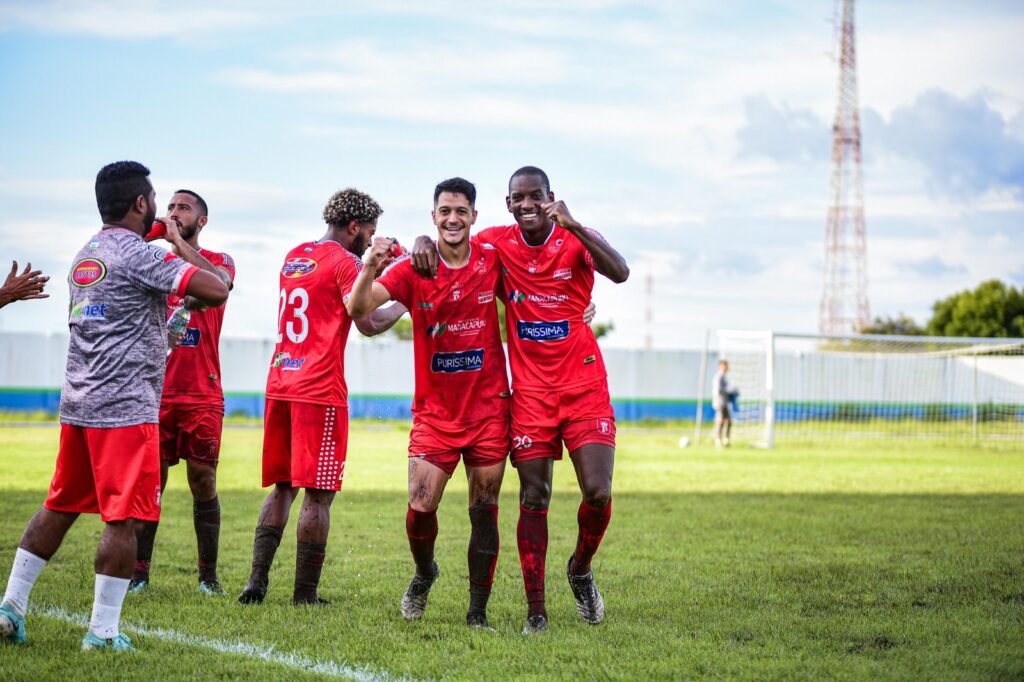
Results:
12 626
93 643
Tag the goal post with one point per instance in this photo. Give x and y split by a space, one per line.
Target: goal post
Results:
808 386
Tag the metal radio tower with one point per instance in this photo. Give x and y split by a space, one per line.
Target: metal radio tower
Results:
844 300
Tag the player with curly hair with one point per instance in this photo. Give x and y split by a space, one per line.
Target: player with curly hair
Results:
305 435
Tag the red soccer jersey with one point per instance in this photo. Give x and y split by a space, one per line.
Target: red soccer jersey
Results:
309 359
548 288
193 368
460 362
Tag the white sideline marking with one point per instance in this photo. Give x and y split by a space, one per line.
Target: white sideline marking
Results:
264 653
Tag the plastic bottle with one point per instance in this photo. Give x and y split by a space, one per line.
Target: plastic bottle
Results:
177 323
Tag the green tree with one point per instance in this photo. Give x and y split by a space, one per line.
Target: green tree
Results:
993 309
903 325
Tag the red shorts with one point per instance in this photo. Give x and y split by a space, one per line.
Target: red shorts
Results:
304 444
480 445
111 472
190 431
542 420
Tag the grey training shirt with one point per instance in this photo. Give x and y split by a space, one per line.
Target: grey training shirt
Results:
117 353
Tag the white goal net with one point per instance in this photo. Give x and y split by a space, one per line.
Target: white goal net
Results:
804 386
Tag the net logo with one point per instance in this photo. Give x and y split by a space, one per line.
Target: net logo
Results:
425 305
285 362
543 331
191 338
564 273
462 361
485 297
87 310
298 267
88 272
435 330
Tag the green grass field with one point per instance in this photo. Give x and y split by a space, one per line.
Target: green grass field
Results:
883 560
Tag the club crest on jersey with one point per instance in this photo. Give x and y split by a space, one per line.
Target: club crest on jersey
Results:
564 273
542 331
298 267
462 361
87 272
435 330
191 338
485 297
285 361
604 426
456 294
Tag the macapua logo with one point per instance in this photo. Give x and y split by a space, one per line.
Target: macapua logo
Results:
462 327
286 362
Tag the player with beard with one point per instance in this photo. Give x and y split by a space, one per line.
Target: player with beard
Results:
192 406
305 425
560 385
108 461
461 406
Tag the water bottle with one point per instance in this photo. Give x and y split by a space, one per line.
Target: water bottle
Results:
177 323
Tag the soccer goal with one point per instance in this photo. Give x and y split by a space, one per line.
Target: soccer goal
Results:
806 386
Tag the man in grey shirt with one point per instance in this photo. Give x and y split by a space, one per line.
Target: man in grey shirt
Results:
108 461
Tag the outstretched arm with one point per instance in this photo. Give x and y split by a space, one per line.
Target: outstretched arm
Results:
607 260
29 284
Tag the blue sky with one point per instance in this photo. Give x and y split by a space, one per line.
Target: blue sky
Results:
693 135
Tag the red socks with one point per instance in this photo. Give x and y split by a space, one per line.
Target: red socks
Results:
532 536
593 522
421 527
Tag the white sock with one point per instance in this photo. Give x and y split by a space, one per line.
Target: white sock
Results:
24 572
106 606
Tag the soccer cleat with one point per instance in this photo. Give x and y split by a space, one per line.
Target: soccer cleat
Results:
414 601
138 585
316 601
93 643
211 587
589 603
12 626
477 620
535 622
253 593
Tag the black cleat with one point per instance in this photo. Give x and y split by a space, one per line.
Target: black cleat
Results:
477 620
315 601
254 593
589 603
414 601
535 622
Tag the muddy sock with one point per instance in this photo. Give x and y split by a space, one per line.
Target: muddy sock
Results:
421 527
206 519
309 562
263 550
483 554
532 537
593 521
